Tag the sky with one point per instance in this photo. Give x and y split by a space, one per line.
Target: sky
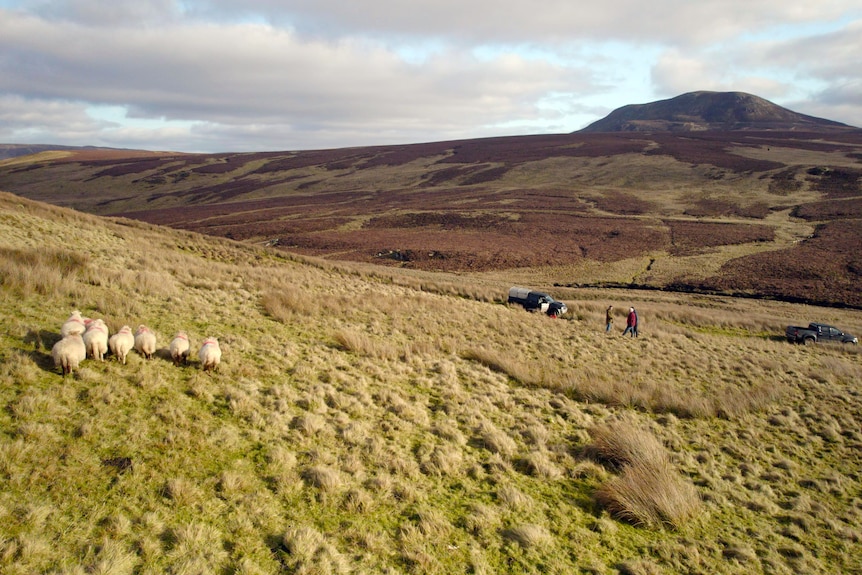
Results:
275 75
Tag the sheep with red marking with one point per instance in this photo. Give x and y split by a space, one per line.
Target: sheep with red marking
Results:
69 352
180 348
145 341
96 339
75 324
121 343
210 354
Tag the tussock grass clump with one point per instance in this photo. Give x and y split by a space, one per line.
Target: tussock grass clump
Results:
495 440
640 567
539 464
443 460
514 498
648 491
652 494
42 271
286 303
308 423
624 442
197 548
481 518
182 491
529 535
515 367
308 552
736 402
364 344
114 558
323 477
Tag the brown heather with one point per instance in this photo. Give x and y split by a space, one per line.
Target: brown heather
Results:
377 420
722 211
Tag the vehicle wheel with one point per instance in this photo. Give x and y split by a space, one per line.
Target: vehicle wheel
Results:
808 341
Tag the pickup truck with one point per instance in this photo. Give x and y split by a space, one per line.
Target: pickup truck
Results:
536 301
818 333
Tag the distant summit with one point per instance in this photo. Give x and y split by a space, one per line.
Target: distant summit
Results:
697 111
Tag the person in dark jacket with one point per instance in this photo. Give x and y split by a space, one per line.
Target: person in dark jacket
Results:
609 318
632 323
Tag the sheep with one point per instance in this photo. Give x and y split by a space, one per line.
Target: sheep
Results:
75 324
180 348
121 343
69 352
145 341
210 354
96 339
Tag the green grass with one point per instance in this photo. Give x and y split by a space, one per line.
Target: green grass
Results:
372 421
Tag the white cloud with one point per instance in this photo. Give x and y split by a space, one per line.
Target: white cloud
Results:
101 13
540 21
213 75
45 121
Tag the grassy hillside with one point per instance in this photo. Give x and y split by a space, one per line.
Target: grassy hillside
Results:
766 213
378 420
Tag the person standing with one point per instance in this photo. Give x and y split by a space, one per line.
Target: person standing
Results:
631 323
609 318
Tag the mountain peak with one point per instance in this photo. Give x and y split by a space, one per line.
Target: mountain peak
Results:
704 110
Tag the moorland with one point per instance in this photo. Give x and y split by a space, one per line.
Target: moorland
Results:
766 213
379 407
373 419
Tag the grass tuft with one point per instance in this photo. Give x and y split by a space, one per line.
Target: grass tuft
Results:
307 551
529 535
648 491
324 478
47 272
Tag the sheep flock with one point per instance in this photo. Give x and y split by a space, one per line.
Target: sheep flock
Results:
85 338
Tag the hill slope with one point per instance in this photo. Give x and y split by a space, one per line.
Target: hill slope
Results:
760 213
369 420
697 111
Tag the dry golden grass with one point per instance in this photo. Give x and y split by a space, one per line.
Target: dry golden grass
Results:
405 425
650 493
648 490
44 272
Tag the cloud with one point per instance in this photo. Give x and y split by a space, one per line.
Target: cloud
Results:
56 121
541 21
210 75
241 73
113 13
815 74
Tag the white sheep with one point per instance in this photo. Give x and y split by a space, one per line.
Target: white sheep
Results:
145 341
121 343
69 352
180 348
96 339
75 324
210 354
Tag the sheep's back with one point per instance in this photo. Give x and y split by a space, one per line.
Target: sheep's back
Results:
69 351
145 342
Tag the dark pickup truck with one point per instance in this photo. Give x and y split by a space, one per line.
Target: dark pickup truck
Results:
818 333
537 301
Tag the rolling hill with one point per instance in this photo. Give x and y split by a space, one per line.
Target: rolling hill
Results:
698 111
372 419
753 212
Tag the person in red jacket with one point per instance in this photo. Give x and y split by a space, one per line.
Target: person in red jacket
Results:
632 323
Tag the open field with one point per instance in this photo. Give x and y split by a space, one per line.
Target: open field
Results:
771 214
373 419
